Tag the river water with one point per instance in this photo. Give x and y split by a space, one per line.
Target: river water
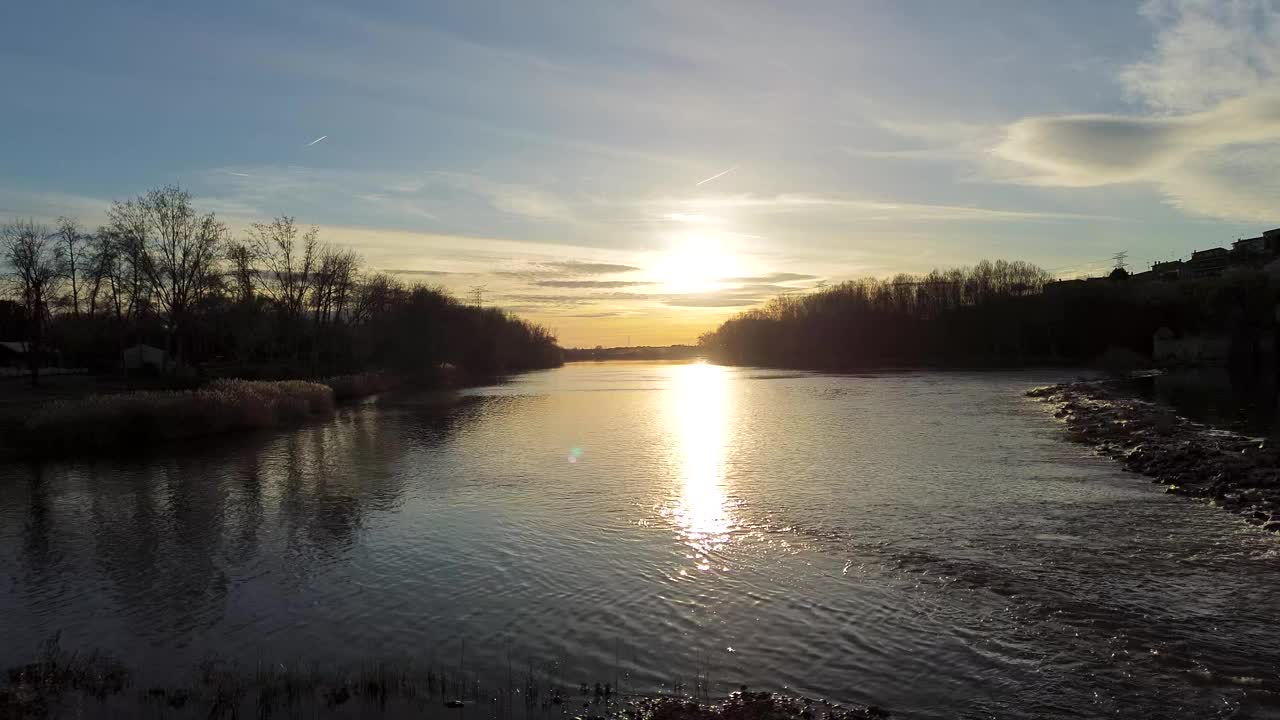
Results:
927 542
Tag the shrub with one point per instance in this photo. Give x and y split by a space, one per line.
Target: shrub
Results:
99 422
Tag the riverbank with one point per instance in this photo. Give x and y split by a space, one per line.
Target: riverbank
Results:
96 684
86 418
1238 473
83 419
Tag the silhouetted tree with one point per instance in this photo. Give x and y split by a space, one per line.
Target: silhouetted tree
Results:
72 242
36 265
279 302
178 249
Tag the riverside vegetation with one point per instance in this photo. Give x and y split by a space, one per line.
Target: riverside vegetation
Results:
124 421
994 314
277 305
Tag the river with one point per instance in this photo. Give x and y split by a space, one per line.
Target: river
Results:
927 542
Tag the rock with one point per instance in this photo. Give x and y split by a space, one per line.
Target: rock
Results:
1271 526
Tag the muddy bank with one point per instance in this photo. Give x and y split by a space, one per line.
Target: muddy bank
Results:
1238 473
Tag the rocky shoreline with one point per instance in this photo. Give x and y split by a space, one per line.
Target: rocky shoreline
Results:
1235 472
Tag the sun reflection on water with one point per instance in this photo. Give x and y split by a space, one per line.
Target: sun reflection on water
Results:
699 405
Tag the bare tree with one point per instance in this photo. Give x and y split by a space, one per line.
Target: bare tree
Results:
242 257
332 284
177 250
72 242
100 269
36 266
374 296
289 258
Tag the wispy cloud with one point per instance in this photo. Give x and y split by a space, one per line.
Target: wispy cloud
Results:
1211 142
564 300
425 273
775 277
854 207
580 267
590 283
47 206
730 297
1206 51
692 218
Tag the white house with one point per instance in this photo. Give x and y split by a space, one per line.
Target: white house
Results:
142 356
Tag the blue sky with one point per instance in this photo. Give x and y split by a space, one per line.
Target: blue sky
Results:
552 151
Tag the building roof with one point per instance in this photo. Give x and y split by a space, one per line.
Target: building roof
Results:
1211 252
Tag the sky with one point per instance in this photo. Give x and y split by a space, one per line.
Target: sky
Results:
635 172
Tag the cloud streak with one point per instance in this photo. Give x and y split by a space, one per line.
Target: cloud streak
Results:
775 277
589 283
579 267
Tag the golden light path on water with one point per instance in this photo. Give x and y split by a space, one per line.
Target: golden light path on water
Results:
700 416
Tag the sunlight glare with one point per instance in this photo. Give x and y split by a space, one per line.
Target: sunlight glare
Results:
696 264
700 406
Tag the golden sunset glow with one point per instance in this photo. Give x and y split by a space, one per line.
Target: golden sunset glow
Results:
697 263
700 405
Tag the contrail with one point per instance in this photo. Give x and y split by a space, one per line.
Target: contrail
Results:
229 172
717 175
313 142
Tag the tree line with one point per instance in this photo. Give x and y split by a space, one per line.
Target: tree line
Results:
277 302
992 314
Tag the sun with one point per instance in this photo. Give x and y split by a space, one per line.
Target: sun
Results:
695 264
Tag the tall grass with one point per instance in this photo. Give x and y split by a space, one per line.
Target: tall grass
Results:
124 420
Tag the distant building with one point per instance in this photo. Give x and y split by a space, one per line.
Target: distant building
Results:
1209 263
1263 247
13 354
144 357
1170 270
16 357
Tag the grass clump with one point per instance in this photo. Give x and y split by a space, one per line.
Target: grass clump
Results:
124 420
32 690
